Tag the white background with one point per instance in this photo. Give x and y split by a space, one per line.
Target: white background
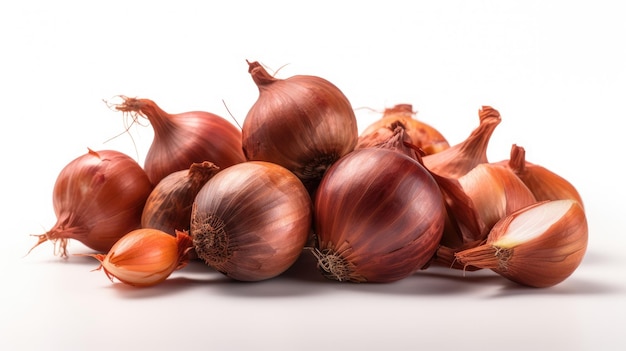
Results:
554 69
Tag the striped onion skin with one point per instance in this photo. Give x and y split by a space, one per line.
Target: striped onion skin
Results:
379 217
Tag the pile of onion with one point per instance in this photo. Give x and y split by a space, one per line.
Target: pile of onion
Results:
374 207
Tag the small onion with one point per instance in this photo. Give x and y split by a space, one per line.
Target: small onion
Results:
145 257
379 216
251 220
97 198
422 135
168 207
303 123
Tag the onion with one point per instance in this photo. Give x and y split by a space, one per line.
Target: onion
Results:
539 245
544 184
97 198
394 137
168 207
303 123
184 138
422 135
379 216
251 220
145 257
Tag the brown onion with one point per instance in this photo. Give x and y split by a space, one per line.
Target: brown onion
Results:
251 220
544 184
379 217
97 198
303 123
168 207
184 138
422 135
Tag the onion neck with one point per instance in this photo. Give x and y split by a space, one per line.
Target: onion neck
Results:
517 160
259 75
485 256
184 242
200 173
475 146
463 157
445 256
161 121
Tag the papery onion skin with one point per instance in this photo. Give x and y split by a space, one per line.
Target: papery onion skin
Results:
168 208
251 221
185 138
395 138
98 197
460 158
303 123
463 224
379 217
422 135
541 262
145 257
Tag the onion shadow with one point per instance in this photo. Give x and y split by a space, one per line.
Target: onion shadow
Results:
572 286
301 279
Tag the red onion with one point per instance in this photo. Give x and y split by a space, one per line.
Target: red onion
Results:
251 220
185 138
379 216
98 198
303 123
168 207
